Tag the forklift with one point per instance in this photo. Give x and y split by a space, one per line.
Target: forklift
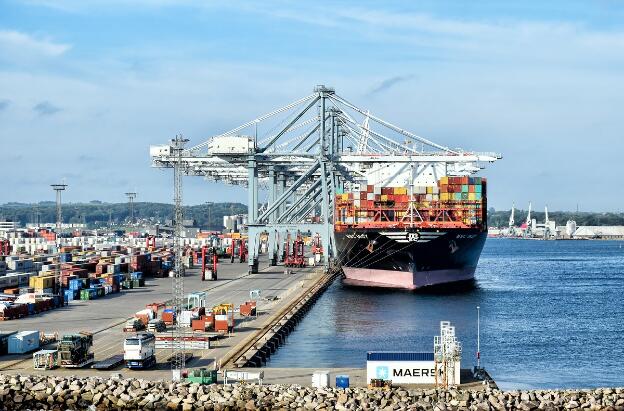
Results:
296 258
209 260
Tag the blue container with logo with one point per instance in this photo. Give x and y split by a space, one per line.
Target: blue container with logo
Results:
342 381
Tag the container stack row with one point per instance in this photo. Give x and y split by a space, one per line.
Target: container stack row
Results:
454 201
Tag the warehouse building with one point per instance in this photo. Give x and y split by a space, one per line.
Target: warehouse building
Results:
607 232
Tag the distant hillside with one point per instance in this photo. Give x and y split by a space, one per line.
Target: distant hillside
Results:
501 218
97 213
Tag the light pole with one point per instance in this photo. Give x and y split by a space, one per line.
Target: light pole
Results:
478 337
209 204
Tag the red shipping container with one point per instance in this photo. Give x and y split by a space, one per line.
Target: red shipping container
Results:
199 325
167 317
370 188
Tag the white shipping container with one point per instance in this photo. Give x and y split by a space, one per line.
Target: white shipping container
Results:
23 342
320 379
398 368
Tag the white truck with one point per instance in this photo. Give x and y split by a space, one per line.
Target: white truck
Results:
140 351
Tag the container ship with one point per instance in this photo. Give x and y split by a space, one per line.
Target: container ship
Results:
411 233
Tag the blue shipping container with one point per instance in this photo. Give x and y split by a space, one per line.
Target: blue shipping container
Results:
342 381
65 257
75 284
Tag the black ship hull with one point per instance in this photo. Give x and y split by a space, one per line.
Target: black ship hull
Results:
409 260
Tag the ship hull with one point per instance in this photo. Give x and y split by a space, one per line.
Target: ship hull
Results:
409 260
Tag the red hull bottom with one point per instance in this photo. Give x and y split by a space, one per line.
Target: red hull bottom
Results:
405 279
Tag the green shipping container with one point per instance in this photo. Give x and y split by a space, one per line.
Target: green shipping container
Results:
464 188
457 196
464 196
478 188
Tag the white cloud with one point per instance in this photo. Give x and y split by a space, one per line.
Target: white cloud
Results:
14 43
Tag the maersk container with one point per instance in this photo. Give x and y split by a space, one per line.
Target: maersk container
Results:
23 342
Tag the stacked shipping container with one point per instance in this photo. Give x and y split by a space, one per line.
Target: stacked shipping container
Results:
453 202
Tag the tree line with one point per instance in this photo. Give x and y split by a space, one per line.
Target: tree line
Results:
99 214
501 218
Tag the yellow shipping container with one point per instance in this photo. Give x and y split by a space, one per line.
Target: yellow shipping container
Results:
444 180
429 190
472 197
400 190
444 196
384 197
345 196
41 282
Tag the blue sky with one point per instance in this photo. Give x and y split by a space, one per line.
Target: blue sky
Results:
86 87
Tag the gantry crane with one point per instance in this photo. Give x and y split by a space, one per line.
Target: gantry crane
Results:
303 154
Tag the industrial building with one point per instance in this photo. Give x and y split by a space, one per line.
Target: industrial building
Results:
611 232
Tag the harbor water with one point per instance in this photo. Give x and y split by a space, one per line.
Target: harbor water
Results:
552 316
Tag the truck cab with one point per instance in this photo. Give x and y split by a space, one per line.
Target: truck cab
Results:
140 351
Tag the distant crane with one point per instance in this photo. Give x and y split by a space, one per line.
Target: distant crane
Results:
512 222
528 223
548 226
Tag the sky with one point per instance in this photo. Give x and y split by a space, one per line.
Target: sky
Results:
87 86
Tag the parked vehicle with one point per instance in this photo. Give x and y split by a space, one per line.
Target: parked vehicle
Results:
140 351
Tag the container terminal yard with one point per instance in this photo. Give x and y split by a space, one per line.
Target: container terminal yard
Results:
345 198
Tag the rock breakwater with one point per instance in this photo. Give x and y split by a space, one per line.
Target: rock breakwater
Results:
62 393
